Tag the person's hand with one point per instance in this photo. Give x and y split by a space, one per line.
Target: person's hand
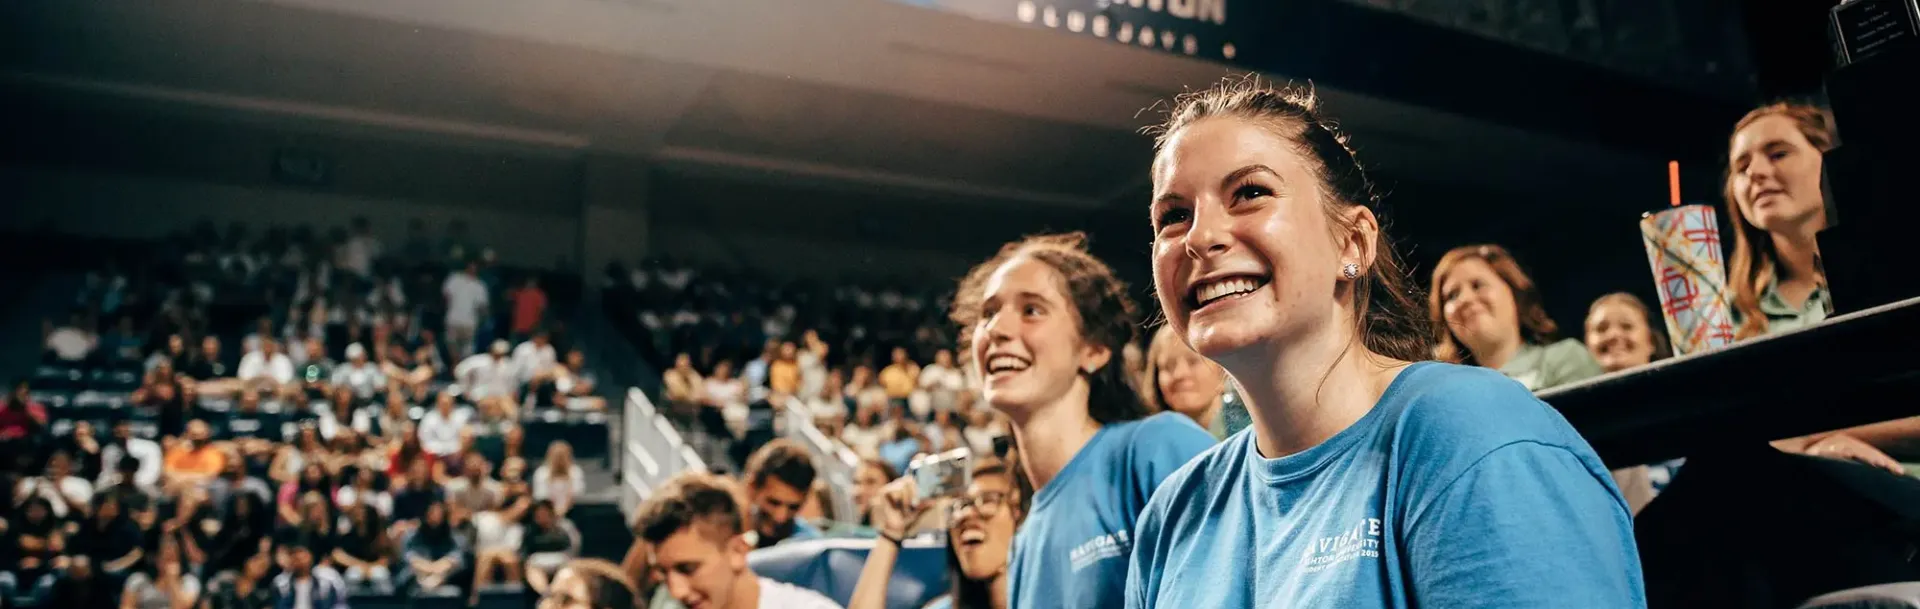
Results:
1848 448
895 507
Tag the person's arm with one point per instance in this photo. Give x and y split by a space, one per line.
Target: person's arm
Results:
191 549
289 507
537 580
125 562
513 512
894 509
1899 437
344 559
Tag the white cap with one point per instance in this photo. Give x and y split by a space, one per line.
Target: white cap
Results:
355 350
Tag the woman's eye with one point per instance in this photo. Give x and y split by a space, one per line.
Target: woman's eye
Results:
1172 216
1250 191
1031 310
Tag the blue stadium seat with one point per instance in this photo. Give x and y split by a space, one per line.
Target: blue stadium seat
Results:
52 399
109 379
832 567
110 400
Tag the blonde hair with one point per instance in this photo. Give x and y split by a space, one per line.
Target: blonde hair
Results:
1164 339
1751 267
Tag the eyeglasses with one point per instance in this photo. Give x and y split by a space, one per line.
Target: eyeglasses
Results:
984 505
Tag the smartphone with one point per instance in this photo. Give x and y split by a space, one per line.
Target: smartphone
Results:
944 474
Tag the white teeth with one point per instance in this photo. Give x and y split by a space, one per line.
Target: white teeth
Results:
1225 287
1005 363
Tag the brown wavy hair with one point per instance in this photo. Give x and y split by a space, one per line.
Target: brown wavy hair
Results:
1102 311
1751 267
1385 299
1536 327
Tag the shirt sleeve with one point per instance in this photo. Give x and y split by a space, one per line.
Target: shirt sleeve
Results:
1163 443
1527 525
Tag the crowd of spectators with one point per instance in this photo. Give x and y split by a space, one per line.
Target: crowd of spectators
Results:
336 454
736 347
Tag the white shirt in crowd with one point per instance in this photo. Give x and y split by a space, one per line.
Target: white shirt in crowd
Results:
381 501
75 489
485 376
979 440
257 364
440 434
813 374
358 254
466 296
561 491
935 377
360 420
863 441
777 595
364 379
730 392
531 358
147 452
70 343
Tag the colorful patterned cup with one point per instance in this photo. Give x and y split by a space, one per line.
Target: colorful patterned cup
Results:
1683 245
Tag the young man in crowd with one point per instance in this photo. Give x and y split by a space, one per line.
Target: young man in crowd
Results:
778 476
302 586
696 534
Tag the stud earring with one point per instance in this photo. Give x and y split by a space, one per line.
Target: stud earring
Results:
1350 270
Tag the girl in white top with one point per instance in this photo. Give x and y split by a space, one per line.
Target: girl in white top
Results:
559 480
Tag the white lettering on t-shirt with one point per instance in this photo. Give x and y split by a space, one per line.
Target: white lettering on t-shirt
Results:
1100 547
1359 541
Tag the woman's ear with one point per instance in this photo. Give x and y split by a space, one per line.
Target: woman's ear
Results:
1360 240
1093 357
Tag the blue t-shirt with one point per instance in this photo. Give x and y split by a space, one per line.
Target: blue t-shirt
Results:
1458 489
1072 549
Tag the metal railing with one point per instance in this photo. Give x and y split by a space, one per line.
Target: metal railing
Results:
837 464
651 451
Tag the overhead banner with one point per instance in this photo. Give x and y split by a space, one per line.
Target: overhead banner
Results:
1199 28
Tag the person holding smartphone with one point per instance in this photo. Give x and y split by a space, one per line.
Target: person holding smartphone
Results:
980 528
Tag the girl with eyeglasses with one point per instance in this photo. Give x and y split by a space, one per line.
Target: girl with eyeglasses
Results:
980 526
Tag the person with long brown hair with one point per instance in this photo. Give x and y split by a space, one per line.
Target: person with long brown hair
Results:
1486 311
1046 323
1367 479
1775 203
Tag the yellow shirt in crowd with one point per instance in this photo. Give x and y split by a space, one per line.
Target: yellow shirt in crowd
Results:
783 377
898 380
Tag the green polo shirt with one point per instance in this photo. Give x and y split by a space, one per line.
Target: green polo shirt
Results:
1541 367
1782 317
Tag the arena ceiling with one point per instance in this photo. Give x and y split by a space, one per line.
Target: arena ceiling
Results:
873 94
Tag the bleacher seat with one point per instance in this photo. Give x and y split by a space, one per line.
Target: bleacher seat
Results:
832 567
59 376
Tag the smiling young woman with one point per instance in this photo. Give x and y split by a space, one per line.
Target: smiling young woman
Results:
1486 311
1367 480
1047 323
